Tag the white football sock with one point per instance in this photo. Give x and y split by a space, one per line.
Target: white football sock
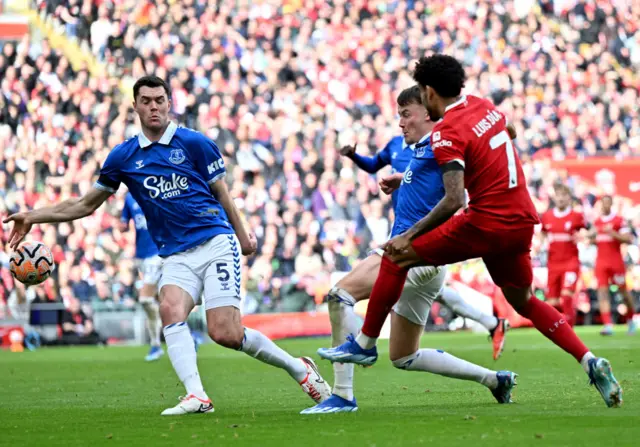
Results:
462 307
443 364
366 342
154 324
585 361
343 322
257 345
182 353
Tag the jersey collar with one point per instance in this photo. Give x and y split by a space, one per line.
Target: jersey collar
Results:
168 134
462 99
608 218
559 214
423 141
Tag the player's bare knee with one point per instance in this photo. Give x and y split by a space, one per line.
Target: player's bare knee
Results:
172 309
228 336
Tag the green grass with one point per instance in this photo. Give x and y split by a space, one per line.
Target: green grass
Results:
93 396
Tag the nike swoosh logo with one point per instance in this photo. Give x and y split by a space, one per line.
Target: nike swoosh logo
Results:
204 408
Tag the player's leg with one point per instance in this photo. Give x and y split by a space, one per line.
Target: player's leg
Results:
462 307
554 287
620 279
603 276
447 244
150 277
222 280
569 285
497 327
514 275
407 326
179 289
354 287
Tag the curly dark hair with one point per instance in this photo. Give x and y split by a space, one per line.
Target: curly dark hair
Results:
442 73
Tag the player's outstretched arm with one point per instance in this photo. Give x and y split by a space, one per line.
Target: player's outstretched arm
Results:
368 164
66 211
247 240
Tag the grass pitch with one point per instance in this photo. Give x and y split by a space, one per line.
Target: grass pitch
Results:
94 396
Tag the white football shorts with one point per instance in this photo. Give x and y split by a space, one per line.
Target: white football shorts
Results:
210 271
421 289
151 268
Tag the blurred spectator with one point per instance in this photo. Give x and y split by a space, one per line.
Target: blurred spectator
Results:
77 327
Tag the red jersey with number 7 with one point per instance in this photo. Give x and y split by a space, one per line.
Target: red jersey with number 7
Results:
473 133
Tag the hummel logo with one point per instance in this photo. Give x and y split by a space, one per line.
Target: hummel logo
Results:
139 164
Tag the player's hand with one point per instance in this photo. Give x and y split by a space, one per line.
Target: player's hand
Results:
398 245
348 151
252 245
21 226
391 183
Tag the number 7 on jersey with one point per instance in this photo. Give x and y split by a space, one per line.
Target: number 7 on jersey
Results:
503 139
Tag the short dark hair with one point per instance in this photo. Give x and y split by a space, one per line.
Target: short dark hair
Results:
409 95
150 81
442 73
607 196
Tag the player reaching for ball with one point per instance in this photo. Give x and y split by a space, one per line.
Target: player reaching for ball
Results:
472 146
177 177
420 191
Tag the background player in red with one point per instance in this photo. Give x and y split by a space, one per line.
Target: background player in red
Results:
472 146
610 232
562 225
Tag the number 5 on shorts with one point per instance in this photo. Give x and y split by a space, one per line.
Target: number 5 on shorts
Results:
496 142
221 268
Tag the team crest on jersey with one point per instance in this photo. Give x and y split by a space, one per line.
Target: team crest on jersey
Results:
420 151
177 156
567 226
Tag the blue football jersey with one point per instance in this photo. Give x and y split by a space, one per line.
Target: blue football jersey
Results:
397 154
170 181
421 189
145 247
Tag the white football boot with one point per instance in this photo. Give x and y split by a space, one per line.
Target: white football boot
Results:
313 384
190 404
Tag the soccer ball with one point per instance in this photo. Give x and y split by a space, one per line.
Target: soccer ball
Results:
32 263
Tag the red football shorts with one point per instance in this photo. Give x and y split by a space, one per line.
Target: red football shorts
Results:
614 274
561 279
505 253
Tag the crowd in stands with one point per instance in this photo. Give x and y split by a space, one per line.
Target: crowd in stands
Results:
280 86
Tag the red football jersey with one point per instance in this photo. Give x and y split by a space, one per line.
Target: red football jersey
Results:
560 227
609 253
473 133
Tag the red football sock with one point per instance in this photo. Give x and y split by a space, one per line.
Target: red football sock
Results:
606 317
385 294
553 326
568 309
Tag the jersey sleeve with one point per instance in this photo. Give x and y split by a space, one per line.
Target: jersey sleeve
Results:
624 227
581 222
209 160
544 220
448 147
110 174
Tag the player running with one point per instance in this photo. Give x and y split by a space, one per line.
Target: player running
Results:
177 177
610 232
561 225
398 153
150 264
472 146
421 190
